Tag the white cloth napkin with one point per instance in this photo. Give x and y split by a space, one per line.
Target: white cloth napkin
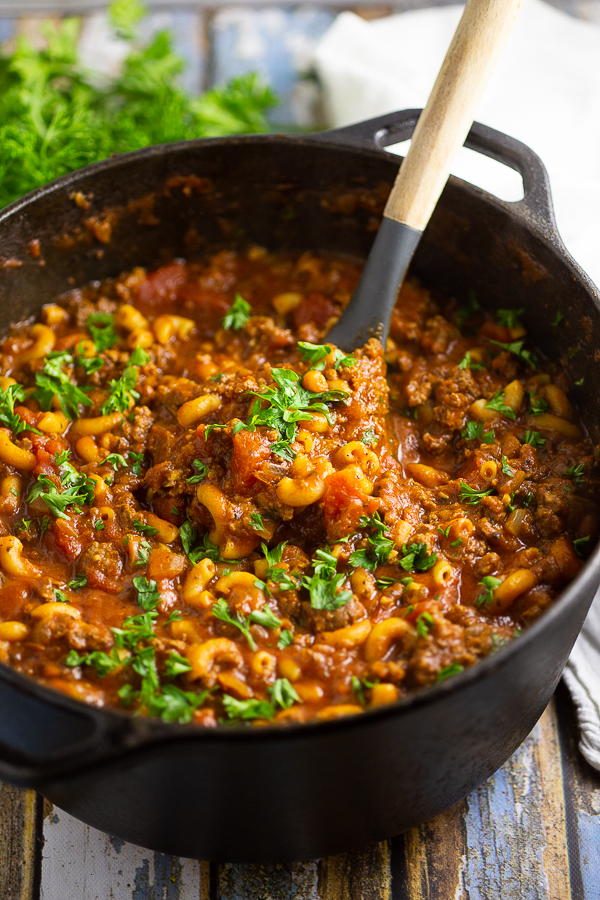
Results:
546 93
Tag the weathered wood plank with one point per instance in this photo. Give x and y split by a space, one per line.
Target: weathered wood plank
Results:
362 875
18 818
582 792
80 862
508 839
293 881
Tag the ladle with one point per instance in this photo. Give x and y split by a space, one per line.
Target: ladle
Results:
440 132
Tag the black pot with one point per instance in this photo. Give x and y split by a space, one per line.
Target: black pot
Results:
284 793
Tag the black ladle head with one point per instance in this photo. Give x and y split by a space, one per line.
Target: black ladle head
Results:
370 310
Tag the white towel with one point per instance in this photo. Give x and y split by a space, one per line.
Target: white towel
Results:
546 93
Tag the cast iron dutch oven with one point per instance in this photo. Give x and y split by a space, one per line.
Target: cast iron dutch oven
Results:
301 791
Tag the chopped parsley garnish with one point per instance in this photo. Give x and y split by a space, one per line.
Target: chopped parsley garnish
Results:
137 462
576 473
89 364
559 318
239 313
369 437
474 430
498 405
415 557
506 469
99 525
472 495
60 596
489 583
580 544
115 460
77 491
14 393
265 617
286 405
537 405
467 363
104 663
53 382
316 354
516 348
449 671
424 622
324 591
144 528
510 318
470 309
148 596
533 438
359 685
220 610
122 394
324 563
195 552
380 545
100 327
78 582
283 695
580 381
457 542
256 522
286 639
201 472
176 665
443 531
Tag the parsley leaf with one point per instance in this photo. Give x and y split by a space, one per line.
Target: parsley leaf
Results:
516 348
316 354
506 469
77 491
490 583
100 327
472 495
381 545
559 318
238 315
369 437
497 403
449 671
52 381
580 544
510 318
122 394
265 617
282 693
533 438
424 622
467 363
115 460
144 528
286 639
14 393
474 430
256 522
470 309
78 582
220 610
537 405
147 595
201 472
324 592
205 550
576 473
416 558
176 665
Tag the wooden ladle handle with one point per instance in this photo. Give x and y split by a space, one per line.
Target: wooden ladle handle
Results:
444 123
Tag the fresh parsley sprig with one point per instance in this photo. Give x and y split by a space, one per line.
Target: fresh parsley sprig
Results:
122 394
52 381
472 495
239 314
14 393
77 490
102 332
498 405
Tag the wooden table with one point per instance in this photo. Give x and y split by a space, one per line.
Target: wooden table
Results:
532 832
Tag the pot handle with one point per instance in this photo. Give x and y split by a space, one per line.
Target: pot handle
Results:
535 207
43 734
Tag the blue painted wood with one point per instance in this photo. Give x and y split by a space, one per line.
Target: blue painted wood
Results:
7 28
276 42
186 26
